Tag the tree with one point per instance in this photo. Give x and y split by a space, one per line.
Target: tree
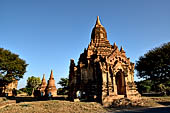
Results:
32 84
11 66
144 86
155 64
155 67
64 86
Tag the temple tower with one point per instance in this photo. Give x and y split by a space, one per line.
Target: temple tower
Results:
51 89
43 86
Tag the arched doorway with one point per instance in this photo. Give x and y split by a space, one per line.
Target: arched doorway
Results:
49 94
120 82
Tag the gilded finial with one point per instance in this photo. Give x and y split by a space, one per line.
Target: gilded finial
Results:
98 21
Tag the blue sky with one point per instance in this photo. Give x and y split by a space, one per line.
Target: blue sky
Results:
48 33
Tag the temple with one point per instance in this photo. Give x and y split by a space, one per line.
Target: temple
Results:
103 72
51 88
45 89
43 86
9 89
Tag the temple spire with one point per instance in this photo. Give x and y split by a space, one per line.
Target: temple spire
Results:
122 50
98 23
51 89
51 75
43 76
114 45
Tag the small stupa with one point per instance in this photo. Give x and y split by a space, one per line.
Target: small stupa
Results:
43 86
51 89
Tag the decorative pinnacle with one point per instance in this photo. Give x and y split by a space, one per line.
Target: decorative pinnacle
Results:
114 45
98 22
121 50
51 75
43 76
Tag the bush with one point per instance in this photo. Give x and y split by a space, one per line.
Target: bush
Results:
26 90
144 86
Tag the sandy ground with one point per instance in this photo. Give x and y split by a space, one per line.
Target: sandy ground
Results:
152 105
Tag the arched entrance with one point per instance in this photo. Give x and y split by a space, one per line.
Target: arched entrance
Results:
120 82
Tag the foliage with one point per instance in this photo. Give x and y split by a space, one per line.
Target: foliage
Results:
19 91
144 86
61 91
32 84
11 66
64 86
29 91
22 90
162 88
155 64
148 86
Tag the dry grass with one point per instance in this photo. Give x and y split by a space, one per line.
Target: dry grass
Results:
58 106
54 106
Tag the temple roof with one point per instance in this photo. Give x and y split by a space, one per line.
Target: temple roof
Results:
99 42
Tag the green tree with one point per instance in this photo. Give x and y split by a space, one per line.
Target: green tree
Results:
162 88
32 84
144 86
64 86
11 67
154 68
155 64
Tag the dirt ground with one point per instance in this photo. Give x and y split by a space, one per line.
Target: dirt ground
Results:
150 105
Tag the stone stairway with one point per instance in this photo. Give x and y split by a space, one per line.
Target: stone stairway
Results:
132 91
120 96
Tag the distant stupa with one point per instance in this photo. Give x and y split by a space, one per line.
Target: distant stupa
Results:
45 89
43 86
51 88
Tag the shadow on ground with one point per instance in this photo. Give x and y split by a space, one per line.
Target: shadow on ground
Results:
164 103
146 110
164 109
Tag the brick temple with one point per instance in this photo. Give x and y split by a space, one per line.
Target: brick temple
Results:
103 72
45 89
9 89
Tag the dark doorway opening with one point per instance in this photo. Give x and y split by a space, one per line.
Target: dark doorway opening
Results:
120 82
